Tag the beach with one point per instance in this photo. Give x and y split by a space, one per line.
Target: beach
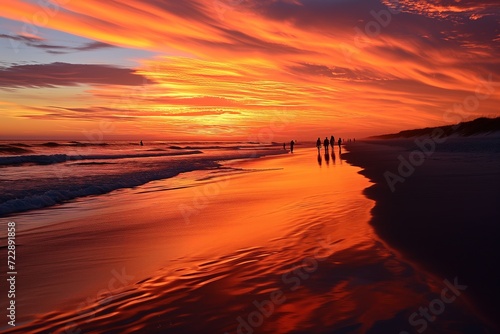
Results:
277 244
443 212
250 167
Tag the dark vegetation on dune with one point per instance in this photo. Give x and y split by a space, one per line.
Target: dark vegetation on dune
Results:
478 126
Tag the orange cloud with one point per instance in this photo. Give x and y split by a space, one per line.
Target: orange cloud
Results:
327 64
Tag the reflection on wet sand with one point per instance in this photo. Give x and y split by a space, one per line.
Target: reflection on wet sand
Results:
285 248
326 157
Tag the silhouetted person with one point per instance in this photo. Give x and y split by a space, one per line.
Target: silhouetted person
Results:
326 143
318 144
142 143
339 142
291 146
332 141
284 146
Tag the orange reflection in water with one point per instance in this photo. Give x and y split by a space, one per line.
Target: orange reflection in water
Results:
274 225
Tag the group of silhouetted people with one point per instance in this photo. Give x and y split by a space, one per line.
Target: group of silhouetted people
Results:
327 143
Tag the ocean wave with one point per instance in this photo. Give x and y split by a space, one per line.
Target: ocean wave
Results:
61 158
80 187
220 147
20 144
92 163
24 196
72 143
156 150
80 144
210 147
51 144
12 149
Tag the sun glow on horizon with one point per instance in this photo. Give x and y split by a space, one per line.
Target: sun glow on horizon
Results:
233 70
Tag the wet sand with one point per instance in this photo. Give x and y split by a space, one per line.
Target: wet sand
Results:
446 214
275 245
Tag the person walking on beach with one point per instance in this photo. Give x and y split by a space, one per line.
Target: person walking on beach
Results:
326 143
339 142
318 144
291 146
142 143
332 141
284 146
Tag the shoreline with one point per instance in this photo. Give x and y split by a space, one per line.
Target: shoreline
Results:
284 225
126 230
442 216
60 173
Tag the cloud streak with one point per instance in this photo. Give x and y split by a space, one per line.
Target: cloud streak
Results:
65 74
244 59
56 49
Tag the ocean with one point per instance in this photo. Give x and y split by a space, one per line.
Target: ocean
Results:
219 237
38 174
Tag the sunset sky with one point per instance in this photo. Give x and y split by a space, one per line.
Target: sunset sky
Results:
268 70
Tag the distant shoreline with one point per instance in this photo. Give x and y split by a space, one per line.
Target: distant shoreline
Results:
445 214
479 126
